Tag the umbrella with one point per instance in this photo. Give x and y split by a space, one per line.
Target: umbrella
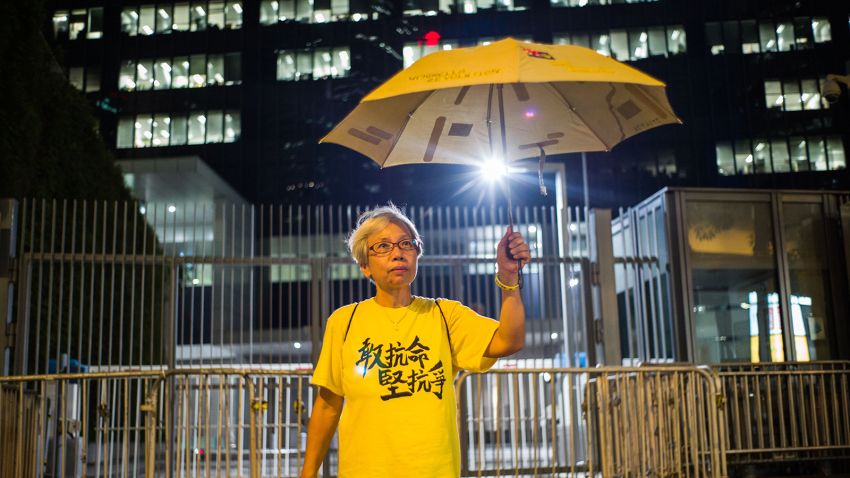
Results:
508 100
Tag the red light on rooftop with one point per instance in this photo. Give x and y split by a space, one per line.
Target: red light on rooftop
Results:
432 38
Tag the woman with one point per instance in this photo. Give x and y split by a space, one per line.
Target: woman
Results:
392 359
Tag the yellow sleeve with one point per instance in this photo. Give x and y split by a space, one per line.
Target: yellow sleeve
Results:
328 371
470 334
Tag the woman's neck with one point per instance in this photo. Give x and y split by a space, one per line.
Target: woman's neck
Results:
394 298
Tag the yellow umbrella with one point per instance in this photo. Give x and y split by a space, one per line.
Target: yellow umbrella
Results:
508 100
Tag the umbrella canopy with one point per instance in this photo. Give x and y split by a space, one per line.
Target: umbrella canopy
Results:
508 99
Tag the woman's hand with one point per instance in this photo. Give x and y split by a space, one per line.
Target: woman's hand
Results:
512 255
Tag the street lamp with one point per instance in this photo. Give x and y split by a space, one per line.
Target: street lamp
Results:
831 89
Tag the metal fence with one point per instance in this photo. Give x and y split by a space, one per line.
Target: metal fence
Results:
787 411
112 286
610 421
252 423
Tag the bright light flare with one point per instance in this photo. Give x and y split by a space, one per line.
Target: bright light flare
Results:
493 170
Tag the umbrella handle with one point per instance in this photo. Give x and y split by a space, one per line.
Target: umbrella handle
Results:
511 224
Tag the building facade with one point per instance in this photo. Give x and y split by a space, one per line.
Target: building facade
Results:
249 87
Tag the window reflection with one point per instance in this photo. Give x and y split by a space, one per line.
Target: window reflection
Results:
810 298
734 282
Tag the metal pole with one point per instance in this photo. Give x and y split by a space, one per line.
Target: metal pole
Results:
584 180
8 232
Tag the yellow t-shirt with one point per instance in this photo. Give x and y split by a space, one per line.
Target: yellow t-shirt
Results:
395 369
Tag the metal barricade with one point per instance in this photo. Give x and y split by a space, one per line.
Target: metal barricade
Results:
787 411
227 422
613 421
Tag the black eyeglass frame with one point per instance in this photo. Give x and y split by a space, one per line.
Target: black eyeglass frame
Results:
415 243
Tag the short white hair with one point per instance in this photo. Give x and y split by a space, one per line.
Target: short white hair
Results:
375 220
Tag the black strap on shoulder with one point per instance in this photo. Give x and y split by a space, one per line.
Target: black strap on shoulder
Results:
436 302
349 321
448 334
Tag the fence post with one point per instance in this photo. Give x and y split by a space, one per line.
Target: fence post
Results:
606 320
8 232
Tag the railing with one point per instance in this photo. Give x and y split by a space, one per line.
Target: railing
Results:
250 422
677 420
617 421
231 422
786 411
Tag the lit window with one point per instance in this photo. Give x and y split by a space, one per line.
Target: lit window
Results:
130 21
802 33
286 69
601 43
620 45
799 155
744 157
95 23
773 94
215 126
147 20
77 23
233 15
197 128
75 77
320 63
761 156
233 69
750 37
303 9
143 133
676 39
124 138
791 93
657 40
784 36
215 70
198 16
638 44
725 159
821 30
714 37
779 153
127 76
817 153
162 74
268 12
414 50
215 17
60 24
232 126
92 79
835 150
197 71
767 36
181 18
144 75
164 19
179 126
286 10
161 130
180 72
810 94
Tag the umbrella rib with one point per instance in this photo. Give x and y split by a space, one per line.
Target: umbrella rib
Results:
579 116
403 126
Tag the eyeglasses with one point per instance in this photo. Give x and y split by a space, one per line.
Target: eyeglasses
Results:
385 247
